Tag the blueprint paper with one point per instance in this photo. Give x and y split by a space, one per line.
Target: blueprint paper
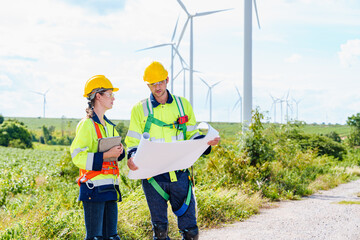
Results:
154 158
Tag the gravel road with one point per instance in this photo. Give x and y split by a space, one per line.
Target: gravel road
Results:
318 216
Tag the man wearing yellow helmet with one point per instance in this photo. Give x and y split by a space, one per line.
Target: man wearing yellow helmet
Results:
98 180
166 118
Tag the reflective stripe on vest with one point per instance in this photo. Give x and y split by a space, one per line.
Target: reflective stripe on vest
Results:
107 167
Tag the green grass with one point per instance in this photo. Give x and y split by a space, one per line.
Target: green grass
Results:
38 194
349 202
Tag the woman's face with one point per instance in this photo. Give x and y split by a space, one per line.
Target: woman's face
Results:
106 99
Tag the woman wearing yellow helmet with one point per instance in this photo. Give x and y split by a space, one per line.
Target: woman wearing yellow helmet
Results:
98 180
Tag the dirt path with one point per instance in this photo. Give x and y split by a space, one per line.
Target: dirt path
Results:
316 217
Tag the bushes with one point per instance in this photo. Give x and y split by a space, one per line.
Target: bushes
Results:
15 134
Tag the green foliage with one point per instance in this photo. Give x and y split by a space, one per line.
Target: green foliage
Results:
122 130
1 119
15 134
255 144
334 136
354 122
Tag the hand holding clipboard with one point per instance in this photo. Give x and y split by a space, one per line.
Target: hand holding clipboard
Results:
111 147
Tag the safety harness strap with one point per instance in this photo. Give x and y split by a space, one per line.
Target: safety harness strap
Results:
166 196
152 120
158 189
107 167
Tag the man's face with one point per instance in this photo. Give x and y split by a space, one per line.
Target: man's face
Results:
158 89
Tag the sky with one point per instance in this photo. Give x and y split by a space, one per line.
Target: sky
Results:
306 51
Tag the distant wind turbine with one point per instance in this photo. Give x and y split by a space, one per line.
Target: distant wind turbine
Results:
275 101
239 102
247 88
44 95
209 94
297 107
190 18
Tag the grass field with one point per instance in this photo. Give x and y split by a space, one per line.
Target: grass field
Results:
67 126
38 194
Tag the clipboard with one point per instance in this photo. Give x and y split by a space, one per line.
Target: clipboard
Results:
105 144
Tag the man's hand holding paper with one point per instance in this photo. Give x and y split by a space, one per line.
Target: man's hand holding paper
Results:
154 158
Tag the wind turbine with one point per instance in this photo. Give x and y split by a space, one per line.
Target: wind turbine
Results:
275 101
209 93
288 106
239 101
297 107
183 70
190 18
44 95
173 52
247 103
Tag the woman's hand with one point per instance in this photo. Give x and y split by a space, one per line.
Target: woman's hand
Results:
114 152
214 142
131 164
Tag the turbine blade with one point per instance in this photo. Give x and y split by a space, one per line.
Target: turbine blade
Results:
37 92
238 91
181 59
182 32
211 12
257 15
47 91
215 84
156 46
183 7
204 82
173 36
178 73
236 104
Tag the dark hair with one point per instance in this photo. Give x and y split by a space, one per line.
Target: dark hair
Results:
91 103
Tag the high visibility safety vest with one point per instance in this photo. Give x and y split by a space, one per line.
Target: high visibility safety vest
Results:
84 152
165 123
107 167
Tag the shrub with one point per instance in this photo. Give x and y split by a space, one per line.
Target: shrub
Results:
14 133
334 136
122 130
1 119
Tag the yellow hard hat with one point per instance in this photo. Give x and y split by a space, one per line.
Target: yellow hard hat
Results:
98 81
155 72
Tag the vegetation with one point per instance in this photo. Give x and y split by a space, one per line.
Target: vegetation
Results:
270 162
354 123
15 134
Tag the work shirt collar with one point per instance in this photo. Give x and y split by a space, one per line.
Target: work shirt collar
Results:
156 103
97 120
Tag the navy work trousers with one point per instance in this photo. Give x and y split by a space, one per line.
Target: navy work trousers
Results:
178 192
100 219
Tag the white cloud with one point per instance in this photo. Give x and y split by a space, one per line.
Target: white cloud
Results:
5 81
293 58
350 53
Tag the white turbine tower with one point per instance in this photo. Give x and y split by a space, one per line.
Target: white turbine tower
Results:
44 95
275 101
297 107
247 88
183 70
209 93
190 18
173 52
239 102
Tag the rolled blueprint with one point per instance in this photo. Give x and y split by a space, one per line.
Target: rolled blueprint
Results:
154 158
